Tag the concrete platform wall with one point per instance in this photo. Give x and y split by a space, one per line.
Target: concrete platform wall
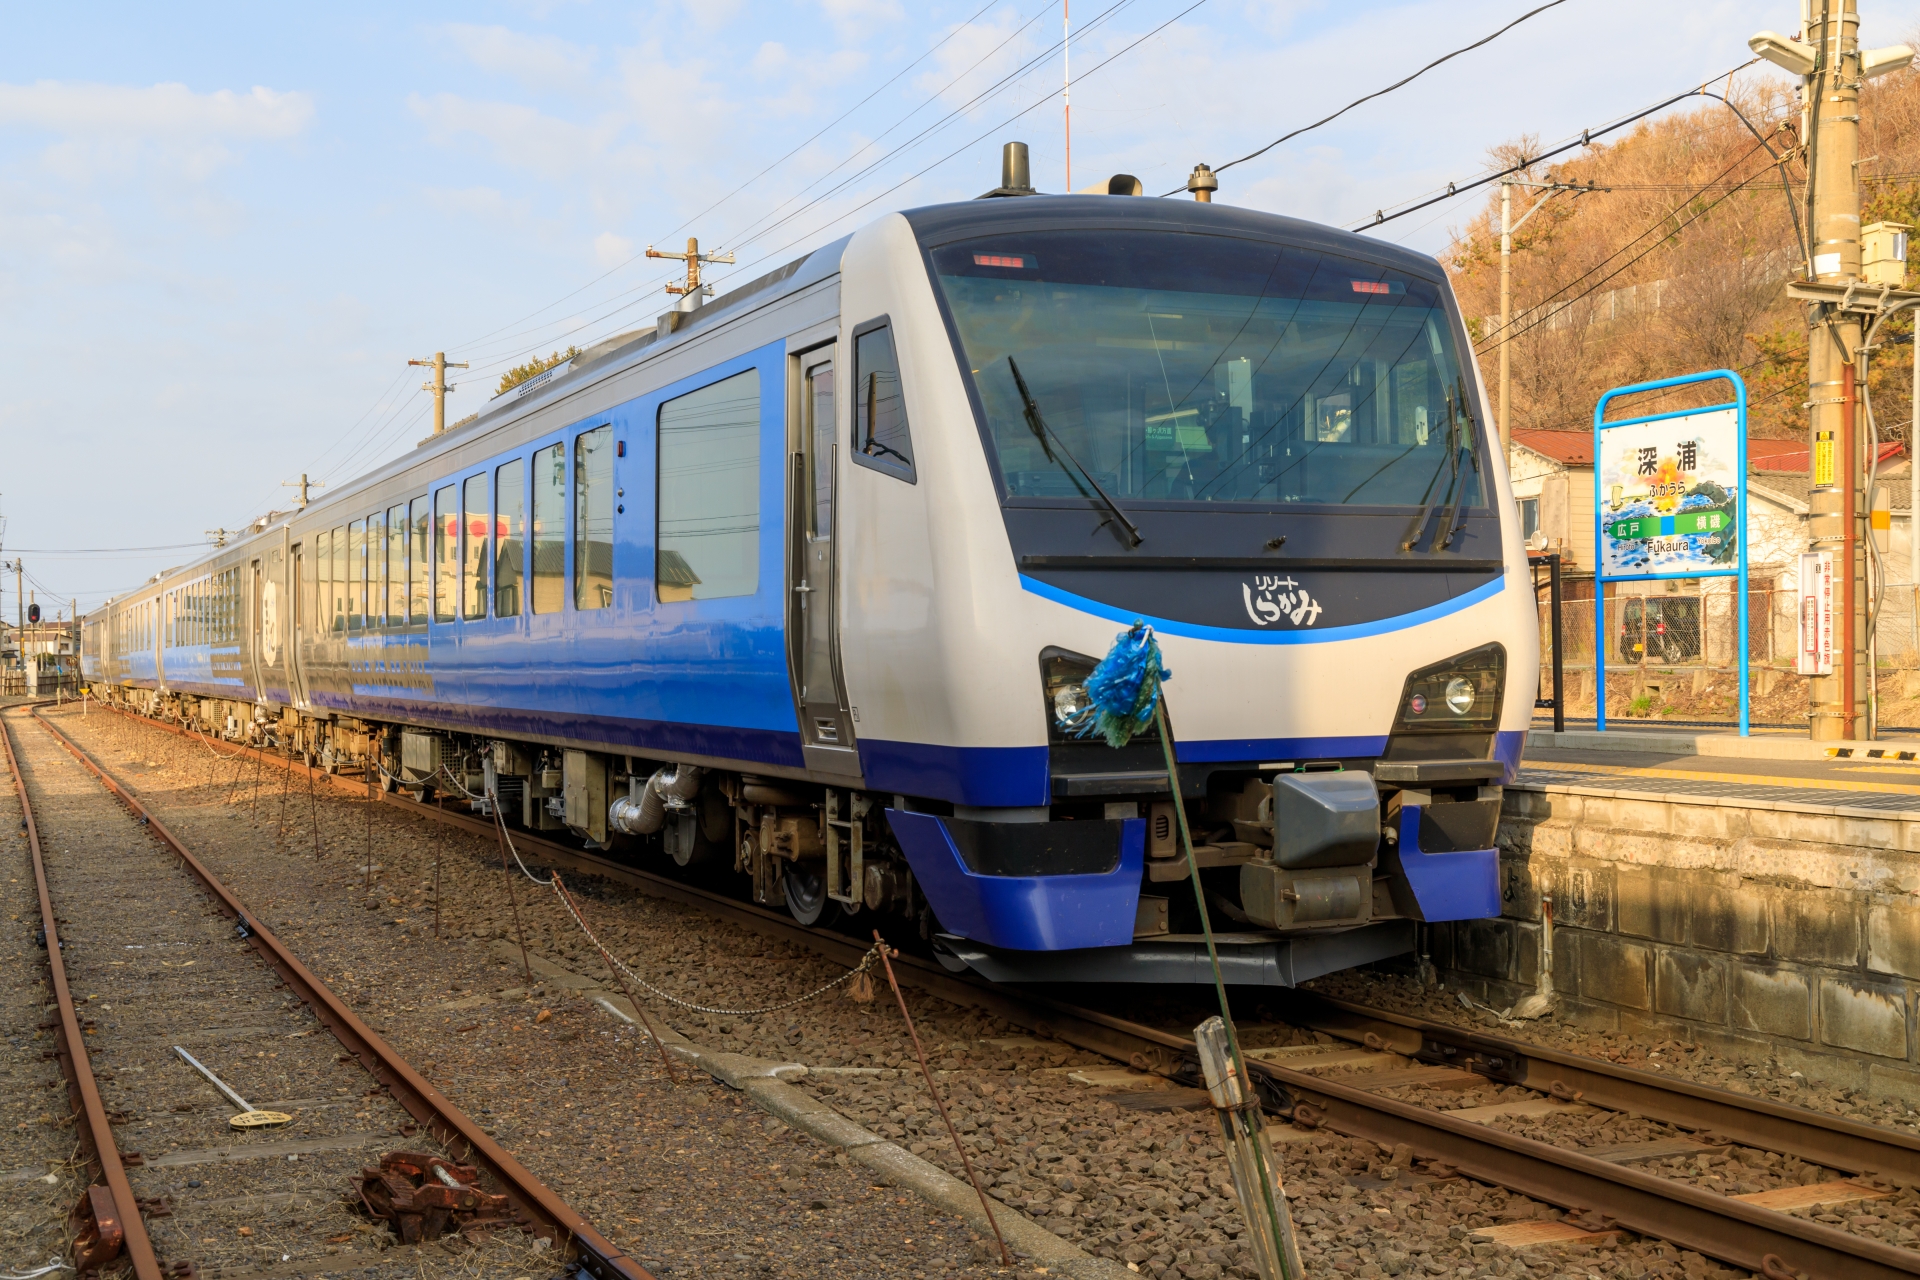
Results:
1755 927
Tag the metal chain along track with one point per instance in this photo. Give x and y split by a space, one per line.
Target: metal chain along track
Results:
553 1218
1761 1240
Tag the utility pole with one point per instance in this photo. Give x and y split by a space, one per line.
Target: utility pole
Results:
1507 227
439 364
301 485
693 258
220 537
1066 85
1833 66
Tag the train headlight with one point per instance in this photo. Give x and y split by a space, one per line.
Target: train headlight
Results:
1071 704
1463 692
1460 695
1070 712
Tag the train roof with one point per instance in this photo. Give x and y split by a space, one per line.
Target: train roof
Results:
940 223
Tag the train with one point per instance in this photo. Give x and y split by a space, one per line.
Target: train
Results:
798 590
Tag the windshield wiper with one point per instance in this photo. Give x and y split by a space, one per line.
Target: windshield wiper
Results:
1455 443
1038 425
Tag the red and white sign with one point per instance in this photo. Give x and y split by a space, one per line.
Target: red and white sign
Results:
1816 613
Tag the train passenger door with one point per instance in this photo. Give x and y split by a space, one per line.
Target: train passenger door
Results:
826 727
302 600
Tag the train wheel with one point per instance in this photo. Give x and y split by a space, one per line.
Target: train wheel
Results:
807 899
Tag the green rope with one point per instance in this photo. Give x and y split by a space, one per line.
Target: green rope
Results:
1219 982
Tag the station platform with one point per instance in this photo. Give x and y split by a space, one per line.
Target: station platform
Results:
1761 895
1779 768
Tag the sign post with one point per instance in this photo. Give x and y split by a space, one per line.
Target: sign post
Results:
1670 501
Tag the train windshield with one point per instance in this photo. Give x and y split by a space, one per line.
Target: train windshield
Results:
1178 368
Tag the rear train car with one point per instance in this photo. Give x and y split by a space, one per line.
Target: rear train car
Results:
802 586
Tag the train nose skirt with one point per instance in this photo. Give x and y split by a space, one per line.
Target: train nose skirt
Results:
1257 961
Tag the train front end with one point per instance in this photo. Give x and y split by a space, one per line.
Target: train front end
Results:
1267 440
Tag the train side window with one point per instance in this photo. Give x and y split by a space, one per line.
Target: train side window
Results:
880 436
593 518
397 566
302 585
708 499
510 530
421 561
475 517
356 574
446 552
322 584
340 578
550 529
376 570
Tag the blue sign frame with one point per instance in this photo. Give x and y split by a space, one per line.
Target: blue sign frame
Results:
1601 639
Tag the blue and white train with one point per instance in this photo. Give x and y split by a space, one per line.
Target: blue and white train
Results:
804 582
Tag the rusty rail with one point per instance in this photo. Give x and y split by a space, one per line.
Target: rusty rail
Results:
551 1215
96 1133
1831 1141
1720 1227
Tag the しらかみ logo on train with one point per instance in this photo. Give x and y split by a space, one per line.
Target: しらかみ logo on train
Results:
1271 599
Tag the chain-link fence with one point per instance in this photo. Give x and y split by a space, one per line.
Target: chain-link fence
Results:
1673 652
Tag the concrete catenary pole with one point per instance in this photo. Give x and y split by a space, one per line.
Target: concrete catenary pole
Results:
1506 312
439 364
1832 123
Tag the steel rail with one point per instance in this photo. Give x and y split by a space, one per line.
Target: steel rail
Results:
552 1216
1832 1141
83 1092
1718 1226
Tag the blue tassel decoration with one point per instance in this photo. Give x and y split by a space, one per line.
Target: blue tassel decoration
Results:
1125 686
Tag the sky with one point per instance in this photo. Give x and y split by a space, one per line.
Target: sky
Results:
224 229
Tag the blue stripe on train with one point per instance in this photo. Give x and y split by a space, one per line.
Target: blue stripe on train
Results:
1234 635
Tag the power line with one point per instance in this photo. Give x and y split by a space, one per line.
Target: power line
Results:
989 92
105 551
1695 217
1584 140
1378 93
736 191
976 139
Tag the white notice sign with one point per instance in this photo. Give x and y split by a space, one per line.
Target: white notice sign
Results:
1816 614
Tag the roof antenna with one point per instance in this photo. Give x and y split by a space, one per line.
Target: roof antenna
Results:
1203 184
1016 179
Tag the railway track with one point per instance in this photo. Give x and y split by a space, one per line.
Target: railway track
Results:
1604 1190
147 950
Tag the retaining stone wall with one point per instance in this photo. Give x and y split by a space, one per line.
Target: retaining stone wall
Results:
1755 928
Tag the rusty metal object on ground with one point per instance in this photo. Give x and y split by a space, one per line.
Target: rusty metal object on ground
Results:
423 1197
94 1224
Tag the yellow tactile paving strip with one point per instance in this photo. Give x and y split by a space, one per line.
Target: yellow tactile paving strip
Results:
1732 779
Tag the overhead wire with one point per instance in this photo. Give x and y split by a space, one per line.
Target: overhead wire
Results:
1513 332
1585 139
1380 93
774 254
984 95
929 52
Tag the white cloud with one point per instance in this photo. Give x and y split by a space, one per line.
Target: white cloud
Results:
539 62
522 137
610 250
850 14
166 112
